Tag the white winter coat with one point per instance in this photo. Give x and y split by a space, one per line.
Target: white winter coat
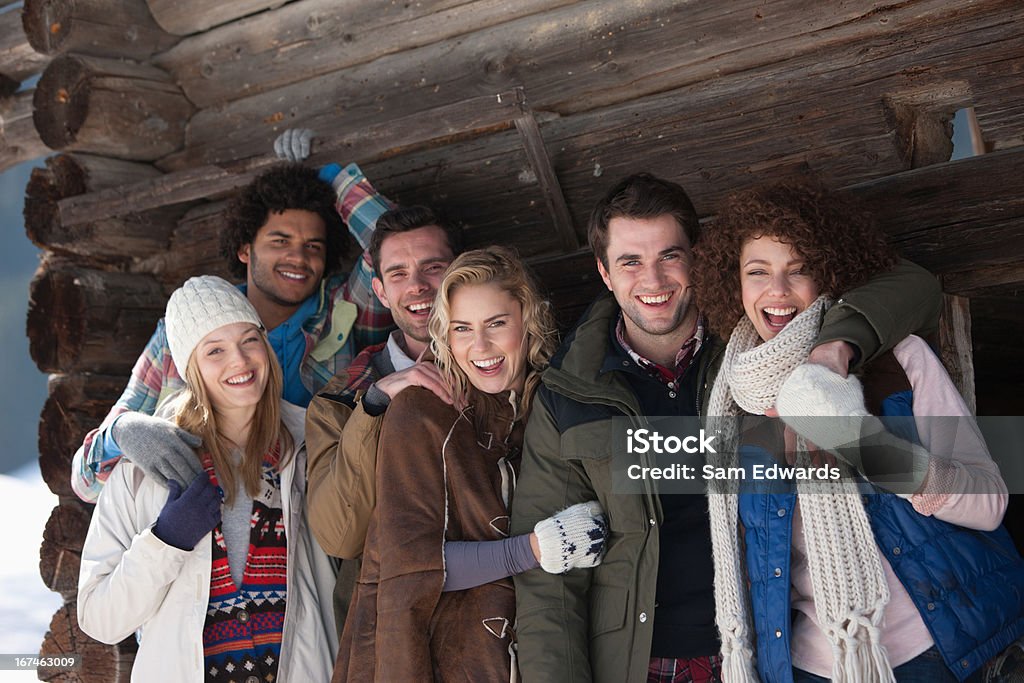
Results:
130 579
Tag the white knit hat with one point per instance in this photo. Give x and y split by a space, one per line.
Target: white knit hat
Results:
199 307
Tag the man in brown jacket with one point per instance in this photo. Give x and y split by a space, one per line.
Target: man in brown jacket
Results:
411 250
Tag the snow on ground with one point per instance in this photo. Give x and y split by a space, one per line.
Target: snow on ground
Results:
26 604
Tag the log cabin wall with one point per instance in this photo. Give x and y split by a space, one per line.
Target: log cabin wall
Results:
139 94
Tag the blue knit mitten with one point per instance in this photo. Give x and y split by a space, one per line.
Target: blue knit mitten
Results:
188 516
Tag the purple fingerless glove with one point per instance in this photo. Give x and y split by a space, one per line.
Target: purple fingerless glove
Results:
188 515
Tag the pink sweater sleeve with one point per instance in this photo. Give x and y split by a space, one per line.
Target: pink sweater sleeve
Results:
963 485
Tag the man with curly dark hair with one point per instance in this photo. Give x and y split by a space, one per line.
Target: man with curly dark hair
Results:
285 236
644 349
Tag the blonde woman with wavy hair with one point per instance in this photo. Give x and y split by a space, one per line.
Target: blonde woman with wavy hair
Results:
435 599
497 266
217 572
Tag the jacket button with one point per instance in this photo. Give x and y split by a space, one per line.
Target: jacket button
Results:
782 512
242 616
651 520
778 633
671 394
964 663
643 617
778 572
252 679
931 606
625 363
896 550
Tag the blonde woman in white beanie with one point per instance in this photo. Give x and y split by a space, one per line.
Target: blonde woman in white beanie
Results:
916 581
220 578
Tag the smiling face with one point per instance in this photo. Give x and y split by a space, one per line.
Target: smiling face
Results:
775 285
487 337
412 265
234 366
649 274
285 263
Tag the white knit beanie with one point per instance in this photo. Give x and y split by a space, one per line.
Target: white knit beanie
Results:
199 307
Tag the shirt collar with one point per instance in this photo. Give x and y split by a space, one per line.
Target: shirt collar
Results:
399 359
684 357
294 324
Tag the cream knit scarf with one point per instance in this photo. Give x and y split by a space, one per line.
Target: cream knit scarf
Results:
850 592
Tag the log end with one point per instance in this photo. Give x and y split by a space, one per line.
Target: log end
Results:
56 324
76 404
47 24
61 552
41 197
97 661
61 102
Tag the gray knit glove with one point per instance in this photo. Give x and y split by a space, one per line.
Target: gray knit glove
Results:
572 538
828 410
162 450
294 144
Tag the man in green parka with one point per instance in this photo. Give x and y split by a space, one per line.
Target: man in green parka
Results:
643 349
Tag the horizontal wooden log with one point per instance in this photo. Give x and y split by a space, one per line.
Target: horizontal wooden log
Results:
18 59
985 281
276 48
582 57
115 240
109 107
100 663
76 404
374 141
796 117
102 28
195 249
83 319
182 17
61 552
961 215
19 140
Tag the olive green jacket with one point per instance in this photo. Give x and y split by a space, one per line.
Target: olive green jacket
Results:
597 624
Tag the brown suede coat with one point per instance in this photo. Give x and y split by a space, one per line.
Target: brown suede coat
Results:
442 476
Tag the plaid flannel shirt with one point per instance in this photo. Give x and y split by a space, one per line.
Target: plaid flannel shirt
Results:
154 377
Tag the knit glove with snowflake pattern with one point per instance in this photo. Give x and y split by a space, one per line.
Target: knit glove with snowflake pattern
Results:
573 538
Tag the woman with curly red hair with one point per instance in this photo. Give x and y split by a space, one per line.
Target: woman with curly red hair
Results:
917 580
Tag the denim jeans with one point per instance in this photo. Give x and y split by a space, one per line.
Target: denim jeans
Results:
927 667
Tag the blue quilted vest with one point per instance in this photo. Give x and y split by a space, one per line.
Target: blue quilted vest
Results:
967 585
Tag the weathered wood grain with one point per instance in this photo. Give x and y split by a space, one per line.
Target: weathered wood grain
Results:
194 250
955 346
312 37
443 124
18 59
579 58
825 117
99 663
182 17
102 28
19 140
958 216
76 404
986 280
114 240
82 319
109 107
61 553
